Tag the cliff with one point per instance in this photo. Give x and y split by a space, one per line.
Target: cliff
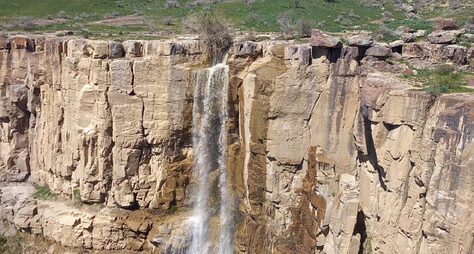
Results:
327 151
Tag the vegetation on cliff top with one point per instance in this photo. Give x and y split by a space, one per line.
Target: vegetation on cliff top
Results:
442 79
109 18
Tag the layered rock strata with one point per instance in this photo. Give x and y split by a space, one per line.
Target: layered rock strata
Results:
329 150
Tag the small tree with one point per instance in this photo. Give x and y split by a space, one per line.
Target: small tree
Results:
172 4
284 21
304 27
297 3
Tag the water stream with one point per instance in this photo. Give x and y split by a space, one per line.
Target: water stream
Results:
210 113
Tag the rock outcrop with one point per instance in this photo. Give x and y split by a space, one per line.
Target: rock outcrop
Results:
329 151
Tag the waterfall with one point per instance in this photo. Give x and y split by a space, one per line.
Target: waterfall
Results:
210 115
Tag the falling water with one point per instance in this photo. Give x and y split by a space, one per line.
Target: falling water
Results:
210 144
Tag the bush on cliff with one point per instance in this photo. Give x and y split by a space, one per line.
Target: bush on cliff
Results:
443 79
215 34
43 192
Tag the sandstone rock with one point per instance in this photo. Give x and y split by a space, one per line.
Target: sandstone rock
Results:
133 48
379 51
4 42
21 42
349 53
97 49
420 33
319 39
323 153
444 37
116 50
407 7
121 76
247 49
408 37
445 24
397 43
361 40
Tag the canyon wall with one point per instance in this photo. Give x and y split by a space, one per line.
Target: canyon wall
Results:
325 154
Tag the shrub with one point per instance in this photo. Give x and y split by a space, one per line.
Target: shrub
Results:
215 35
43 192
172 4
111 15
284 21
443 79
297 3
26 23
76 195
62 15
168 21
304 27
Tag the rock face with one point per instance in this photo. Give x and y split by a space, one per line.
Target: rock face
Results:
326 154
87 119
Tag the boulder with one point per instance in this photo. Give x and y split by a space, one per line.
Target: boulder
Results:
420 33
363 40
349 53
444 37
116 50
247 49
396 43
379 51
133 48
97 49
408 37
445 24
318 39
407 8
468 37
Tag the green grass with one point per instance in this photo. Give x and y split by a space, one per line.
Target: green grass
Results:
443 80
261 16
76 195
43 192
11 245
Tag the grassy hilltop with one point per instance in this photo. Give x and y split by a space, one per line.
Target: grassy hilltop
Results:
122 18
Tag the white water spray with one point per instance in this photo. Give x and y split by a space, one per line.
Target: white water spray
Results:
210 114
